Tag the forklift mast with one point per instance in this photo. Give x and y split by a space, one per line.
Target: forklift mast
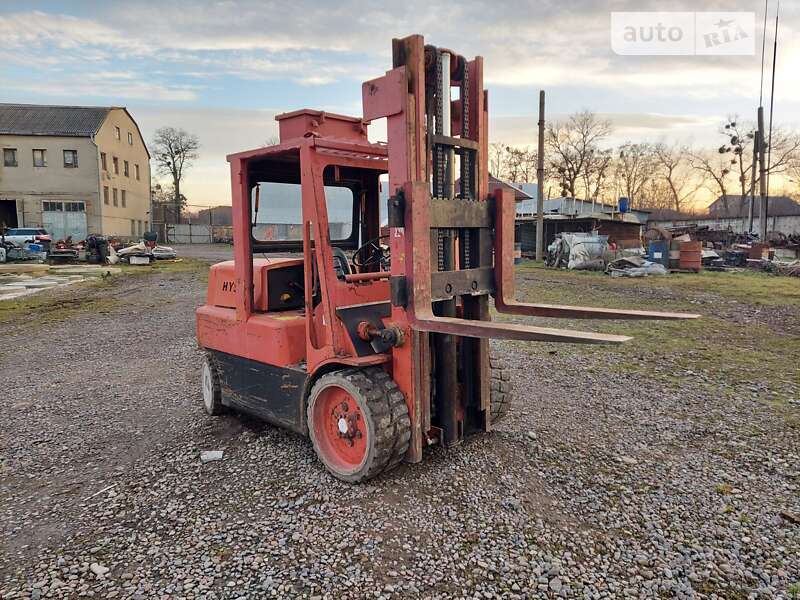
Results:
452 242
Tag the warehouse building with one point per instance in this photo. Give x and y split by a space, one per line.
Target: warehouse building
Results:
74 170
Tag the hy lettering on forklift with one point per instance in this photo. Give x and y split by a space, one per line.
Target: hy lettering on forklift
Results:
229 286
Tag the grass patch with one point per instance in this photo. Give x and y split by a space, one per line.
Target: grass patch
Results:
750 287
47 306
43 308
182 265
717 350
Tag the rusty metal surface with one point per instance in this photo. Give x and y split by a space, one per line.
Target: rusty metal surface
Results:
504 279
363 277
473 282
421 316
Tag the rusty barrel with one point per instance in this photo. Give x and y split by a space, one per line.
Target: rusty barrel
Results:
691 256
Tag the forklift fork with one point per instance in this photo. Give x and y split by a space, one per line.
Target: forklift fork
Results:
418 297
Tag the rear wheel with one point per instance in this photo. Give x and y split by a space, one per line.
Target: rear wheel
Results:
358 422
500 389
212 393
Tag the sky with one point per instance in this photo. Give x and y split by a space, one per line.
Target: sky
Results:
223 69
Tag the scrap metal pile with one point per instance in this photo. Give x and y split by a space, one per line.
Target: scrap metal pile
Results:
594 252
725 250
679 249
94 249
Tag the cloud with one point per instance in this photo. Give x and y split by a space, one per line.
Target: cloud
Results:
100 87
524 43
149 52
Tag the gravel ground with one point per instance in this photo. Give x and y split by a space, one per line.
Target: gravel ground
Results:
598 486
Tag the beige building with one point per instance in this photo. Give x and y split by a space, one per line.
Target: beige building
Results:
73 170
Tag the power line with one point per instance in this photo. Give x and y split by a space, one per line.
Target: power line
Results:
772 92
763 51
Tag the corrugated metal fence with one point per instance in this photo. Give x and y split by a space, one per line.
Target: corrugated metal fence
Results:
186 233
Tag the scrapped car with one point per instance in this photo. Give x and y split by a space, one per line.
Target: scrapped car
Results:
20 235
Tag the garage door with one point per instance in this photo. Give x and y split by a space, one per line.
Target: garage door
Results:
65 219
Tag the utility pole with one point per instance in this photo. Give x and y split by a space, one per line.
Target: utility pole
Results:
752 208
762 183
540 183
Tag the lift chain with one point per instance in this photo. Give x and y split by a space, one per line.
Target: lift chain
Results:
439 157
466 155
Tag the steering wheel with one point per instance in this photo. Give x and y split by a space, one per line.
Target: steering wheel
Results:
376 254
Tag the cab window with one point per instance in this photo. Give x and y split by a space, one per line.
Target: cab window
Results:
277 211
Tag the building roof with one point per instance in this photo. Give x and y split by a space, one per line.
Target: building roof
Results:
738 206
34 119
519 194
626 218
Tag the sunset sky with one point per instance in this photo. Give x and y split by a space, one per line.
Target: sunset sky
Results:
222 70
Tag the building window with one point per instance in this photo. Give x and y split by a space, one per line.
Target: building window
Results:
139 228
122 199
116 132
130 139
133 227
146 226
10 158
70 159
53 206
105 195
103 161
40 158
115 161
114 196
136 170
126 170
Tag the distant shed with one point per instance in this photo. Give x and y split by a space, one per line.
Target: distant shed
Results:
622 229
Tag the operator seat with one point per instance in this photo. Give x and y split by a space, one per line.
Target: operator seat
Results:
340 263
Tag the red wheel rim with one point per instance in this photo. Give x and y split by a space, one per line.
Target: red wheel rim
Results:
340 429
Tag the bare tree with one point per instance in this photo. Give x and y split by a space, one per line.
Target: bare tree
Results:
497 159
635 168
572 144
674 170
174 150
740 146
785 150
715 169
596 173
657 195
520 164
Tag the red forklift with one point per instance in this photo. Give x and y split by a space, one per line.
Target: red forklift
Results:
375 343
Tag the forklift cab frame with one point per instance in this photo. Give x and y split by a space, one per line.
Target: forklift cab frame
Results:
317 150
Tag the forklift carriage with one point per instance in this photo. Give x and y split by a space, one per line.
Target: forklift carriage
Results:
377 353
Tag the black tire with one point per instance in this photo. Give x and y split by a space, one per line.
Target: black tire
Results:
385 415
500 389
212 393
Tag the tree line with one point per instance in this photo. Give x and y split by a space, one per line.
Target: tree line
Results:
579 163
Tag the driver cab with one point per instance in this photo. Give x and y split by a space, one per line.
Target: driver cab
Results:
350 197
307 240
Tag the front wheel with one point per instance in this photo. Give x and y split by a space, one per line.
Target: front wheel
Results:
358 423
500 389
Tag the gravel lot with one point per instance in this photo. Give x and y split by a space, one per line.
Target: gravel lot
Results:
604 483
